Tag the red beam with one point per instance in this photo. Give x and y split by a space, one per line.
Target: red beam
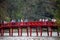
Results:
20 24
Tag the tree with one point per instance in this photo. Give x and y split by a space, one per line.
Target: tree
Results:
30 9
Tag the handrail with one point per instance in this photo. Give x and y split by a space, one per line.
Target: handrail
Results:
20 24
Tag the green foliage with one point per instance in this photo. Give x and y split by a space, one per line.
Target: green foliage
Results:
57 11
7 19
31 9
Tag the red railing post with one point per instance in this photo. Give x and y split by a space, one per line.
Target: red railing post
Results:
30 31
2 32
40 31
51 31
48 31
27 31
57 32
11 32
36 32
20 32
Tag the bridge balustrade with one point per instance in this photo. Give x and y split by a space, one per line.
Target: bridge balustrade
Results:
28 26
21 24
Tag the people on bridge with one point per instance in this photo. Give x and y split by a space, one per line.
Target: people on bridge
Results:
43 20
13 20
26 20
53 20
40 19
46 20
5 22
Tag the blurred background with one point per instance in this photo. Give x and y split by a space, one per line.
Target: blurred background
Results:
31 10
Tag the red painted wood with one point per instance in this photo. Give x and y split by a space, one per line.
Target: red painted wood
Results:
2 32
58 34
11 32
51 32
48 33
20 24
36 32
20 32
40 31
26 24
30 31
27 31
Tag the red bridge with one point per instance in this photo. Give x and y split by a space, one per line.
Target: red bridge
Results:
28 25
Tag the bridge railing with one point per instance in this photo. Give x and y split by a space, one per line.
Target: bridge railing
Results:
20 24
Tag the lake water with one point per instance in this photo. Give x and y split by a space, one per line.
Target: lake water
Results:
44 37
29 38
